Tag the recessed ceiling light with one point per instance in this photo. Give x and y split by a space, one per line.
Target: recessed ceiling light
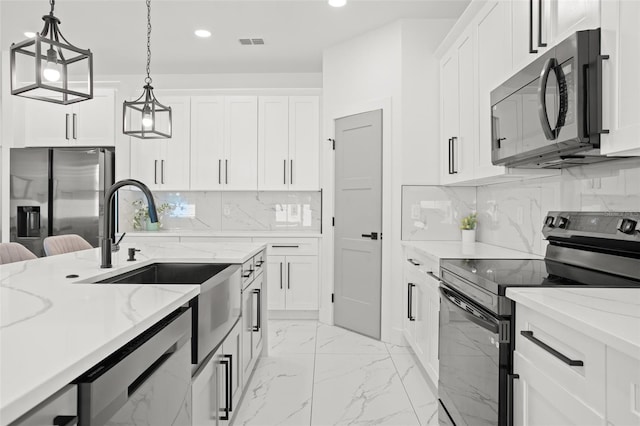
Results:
29 34
337 3
202 33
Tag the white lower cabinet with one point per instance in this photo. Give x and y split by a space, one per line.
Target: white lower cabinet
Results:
204 389
293 282
563 376
252 331
422 310
540 401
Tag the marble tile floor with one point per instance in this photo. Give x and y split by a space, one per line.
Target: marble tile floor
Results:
323 375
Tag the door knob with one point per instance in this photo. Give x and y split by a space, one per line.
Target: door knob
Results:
373 235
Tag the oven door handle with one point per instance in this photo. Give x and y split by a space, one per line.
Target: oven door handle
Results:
492 326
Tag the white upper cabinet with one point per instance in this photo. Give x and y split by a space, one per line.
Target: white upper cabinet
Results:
494 67
163 164
621 85
458 106
288 142
86 123
273 142
568 16
304 143
207 143
241 143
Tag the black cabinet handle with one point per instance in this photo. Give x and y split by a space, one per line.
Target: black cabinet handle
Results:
414 262
284 172
248 274
410 301
75 126
540 43
65 420
434 276
450 156
219 172
162 172
572 362
259 263
454 169
155 171
280 275
288 275
66 126
226 409
531 49
230 382
259 322
226 172
285 246
291 174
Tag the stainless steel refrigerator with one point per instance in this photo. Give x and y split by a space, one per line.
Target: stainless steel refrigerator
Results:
57 191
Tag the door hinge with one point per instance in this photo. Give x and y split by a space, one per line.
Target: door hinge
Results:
333 221
332 297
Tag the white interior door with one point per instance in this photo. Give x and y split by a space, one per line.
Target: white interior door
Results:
358 213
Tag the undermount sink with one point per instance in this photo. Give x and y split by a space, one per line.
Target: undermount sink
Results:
168 273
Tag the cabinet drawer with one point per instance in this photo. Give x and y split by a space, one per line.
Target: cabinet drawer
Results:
203 239
63 403
585 382
623 388
247 272
290 246
259 260
417 260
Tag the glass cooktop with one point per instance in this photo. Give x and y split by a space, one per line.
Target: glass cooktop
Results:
496 275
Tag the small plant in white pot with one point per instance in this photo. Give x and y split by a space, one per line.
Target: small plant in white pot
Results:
468 227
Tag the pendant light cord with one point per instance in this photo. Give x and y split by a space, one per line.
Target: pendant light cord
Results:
53 5
148 80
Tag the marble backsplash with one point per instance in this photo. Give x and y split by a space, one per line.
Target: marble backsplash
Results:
510 214
230 211
435 212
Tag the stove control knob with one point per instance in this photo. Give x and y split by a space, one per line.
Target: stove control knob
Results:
549 222
563 222
627 226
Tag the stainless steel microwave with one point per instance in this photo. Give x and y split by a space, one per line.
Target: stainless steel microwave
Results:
549 115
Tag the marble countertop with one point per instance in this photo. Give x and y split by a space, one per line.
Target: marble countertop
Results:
222 234
457 250
52 329
611 316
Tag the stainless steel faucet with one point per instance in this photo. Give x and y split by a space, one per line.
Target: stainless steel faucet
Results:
105 243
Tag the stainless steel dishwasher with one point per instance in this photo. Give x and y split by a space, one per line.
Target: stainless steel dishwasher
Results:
146 382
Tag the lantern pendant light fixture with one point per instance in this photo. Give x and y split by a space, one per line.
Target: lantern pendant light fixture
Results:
47 67
146 118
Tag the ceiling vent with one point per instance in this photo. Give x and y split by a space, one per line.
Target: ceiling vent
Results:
251 41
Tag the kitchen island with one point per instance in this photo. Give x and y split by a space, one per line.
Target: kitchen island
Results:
55 324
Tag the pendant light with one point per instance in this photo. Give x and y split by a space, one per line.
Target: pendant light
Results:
47 67
146 118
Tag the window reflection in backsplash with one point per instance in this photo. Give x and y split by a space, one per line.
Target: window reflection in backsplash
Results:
231 211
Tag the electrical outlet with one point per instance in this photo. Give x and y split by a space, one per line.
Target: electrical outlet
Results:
227 209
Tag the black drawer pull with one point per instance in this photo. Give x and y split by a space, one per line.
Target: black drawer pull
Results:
434 276
572 362
414 262
287 246
410 287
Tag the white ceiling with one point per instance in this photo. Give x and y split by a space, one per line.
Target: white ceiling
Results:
295 31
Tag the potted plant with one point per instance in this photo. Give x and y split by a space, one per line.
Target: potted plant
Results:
140 219
468 227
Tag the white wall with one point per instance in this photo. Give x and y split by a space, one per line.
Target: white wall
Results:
392 68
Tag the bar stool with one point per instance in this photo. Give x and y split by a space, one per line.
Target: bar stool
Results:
14 252
61 244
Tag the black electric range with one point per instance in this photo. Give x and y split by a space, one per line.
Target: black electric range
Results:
586 249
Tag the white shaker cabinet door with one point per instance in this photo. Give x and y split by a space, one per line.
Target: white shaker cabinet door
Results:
621 85
47 124
449 89
204 386
241 143
273 143
93 122
569 16
304 143
207 143
174 164
276 282
302 283
145 161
